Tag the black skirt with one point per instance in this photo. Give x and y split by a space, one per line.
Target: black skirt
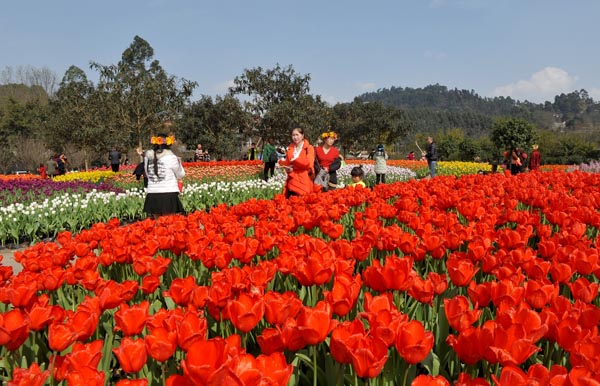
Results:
163 203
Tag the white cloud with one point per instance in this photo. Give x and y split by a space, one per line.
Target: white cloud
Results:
366 86
594 93
541 86
223 87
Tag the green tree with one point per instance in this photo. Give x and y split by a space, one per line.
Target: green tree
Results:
139 93
76 117
363 125
218 125
276 99
513 133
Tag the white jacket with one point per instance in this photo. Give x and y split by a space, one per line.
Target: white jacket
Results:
169 171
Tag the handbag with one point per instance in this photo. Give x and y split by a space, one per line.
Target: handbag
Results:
322 179
273 156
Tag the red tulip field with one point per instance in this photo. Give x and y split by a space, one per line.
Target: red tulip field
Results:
477 280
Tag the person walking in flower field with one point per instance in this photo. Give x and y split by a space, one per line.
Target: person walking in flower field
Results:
380 156
163 169
270 159
536 159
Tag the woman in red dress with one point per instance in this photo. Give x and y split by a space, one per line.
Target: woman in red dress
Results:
329 157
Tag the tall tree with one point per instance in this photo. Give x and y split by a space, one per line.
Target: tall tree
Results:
275 96
140 94
513 133
218 125
75 117
363 125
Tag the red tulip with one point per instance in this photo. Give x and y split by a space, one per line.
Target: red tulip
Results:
460 269
193 327
279 307
343 339
315 323
131 354
583 290
369 355
246 311
344 293
458 313
32 376
131 320
181 290
274 369
132 382
86 376
413 342
203 359
161 343
430 380
60 336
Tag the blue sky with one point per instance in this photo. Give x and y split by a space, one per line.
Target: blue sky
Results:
526 49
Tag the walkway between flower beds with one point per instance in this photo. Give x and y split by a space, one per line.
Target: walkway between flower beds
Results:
9 259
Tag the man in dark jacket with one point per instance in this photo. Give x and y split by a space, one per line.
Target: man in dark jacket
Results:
114 156
432 156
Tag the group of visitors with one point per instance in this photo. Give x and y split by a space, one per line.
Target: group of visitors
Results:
54 166
201 155
519 161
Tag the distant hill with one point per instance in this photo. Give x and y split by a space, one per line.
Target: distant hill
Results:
436 106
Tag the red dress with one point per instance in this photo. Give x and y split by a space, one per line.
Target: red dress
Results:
535 160
326 159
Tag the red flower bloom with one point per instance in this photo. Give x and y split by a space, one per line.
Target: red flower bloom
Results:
86 376
369 355
458 312
315 323
132 382
274 369
344 293
430 380
583 290
246 311
32 376
460 269
193 327
413 342
203 359
60 336
279 307
161 343
131 320
343 338
131 354
181 290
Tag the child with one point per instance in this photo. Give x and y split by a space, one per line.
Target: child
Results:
380 157
357 173
42 171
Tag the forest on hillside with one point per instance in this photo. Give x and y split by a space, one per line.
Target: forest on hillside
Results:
436 106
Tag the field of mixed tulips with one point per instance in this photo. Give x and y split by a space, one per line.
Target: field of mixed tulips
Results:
458 280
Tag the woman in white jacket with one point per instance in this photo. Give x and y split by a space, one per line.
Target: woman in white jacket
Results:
163 169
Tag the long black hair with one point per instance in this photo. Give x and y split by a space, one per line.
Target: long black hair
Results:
159 149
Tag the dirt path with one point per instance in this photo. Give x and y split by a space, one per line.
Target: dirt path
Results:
9 259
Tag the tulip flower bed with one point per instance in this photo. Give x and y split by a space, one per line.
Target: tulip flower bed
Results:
473 281
37 209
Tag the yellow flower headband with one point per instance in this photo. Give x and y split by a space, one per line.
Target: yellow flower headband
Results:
163 140
330 134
